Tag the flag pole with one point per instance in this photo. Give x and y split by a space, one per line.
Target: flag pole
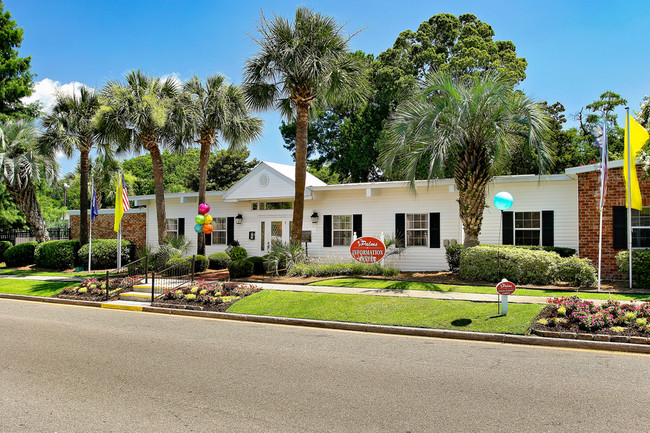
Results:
603 181
119 231
90 234
630 167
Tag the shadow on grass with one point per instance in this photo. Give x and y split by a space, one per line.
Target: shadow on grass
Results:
461 322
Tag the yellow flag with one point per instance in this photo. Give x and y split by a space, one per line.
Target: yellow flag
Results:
638 137
119 207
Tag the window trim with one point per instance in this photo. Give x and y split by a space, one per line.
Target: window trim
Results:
167 226
426 230
215 231
335 230
633 227
528 229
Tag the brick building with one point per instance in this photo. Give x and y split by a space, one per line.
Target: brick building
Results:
134 226
615 230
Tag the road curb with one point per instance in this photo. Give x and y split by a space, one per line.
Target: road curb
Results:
529 340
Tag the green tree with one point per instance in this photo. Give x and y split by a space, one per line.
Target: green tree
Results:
225 167
178 168
213 112
299 64
10 215
16 81
142 113
72 127
23 163
464 126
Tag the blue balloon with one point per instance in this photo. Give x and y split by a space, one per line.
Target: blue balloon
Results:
503 200
198 228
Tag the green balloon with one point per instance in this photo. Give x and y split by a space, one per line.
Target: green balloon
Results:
199 219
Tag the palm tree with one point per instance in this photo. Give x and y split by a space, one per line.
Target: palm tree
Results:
463 126
140 113
72 126
299 64
22 163
212 109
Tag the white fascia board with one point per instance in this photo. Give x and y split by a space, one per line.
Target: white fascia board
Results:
594 167
111 211
181 195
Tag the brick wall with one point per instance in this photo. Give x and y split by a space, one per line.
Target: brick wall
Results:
589 215
134 227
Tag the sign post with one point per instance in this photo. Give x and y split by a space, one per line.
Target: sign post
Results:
505 288
367 250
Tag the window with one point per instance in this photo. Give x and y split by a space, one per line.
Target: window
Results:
219 232
641 228
527 228
272 205
417 229
172 226
342 230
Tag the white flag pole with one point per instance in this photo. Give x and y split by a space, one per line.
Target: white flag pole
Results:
90 232
119 231
603 180
630 167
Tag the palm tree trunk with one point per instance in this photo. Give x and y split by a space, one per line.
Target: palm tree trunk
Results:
302 119
204 156
83 197
159 187
472 174
25 198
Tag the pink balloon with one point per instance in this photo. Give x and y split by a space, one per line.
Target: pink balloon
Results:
204 208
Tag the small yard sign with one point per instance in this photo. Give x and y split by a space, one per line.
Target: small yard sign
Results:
367 250
505 288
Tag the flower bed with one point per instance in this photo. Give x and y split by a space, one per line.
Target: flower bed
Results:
206 295
93 289
612 321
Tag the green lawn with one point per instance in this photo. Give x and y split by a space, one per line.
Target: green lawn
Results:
34 288
381 310
410 285
12 271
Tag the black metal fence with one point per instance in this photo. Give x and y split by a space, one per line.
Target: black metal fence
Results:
56 234
172 278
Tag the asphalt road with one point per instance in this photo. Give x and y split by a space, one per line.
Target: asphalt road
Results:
76 369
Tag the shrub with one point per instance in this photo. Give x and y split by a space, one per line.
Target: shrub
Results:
20 255
640 266
4 246
161 254
240 268
238 253
521 266
56 254
200 263
105 253
561 251
329 269
219 260
452 252
178 266
258 265
284 255
577 272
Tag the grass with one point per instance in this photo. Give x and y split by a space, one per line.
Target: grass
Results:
381 310
12 271
30 287
411 285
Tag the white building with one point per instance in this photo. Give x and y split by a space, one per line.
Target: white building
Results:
258 210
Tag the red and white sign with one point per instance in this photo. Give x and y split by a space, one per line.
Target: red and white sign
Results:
367 250
505 287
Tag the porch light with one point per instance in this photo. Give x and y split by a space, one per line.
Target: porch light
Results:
314 217
239 218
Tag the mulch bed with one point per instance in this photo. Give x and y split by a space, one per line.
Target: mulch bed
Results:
185 305
547 312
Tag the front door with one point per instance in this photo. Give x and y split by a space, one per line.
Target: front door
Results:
273 230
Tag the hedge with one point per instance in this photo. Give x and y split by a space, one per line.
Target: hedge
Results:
452 252
178 266
105 253
330 269
4 246
240 268
258 265
219 260
238 253
200 263
57 254
640 266
577 272
20 255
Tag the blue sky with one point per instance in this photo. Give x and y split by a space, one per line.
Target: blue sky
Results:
575 49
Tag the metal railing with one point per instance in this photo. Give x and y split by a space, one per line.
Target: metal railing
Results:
56 234
133 272
172 278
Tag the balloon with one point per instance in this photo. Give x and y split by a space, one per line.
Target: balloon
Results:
208 219
198 228
200 219
207 228
503 200
204 208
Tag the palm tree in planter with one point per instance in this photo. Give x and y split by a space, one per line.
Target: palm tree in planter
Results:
70 127
300 64
142 113
463 126
210 110
22 163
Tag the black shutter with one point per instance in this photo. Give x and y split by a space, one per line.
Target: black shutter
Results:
327 230
508 228
230 230
181 227
400 230
619 228
434 230
208 239
548 238
356 225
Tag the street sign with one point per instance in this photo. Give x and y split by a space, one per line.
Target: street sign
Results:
367 250
505 287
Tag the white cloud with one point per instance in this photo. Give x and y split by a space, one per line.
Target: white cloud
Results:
175 77
46 90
